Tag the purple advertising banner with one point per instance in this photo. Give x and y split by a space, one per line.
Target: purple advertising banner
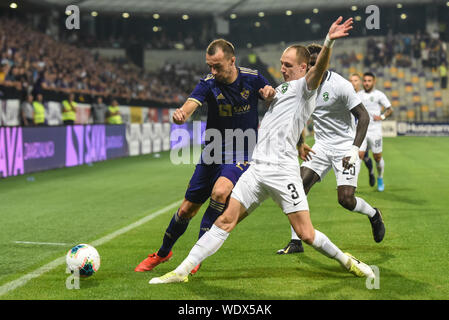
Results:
85 144
116 144
11 152
43 148
31 149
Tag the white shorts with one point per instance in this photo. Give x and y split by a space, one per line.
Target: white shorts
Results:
326 158
373 142
283 185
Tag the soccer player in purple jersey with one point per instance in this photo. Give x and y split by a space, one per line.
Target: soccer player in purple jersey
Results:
232 95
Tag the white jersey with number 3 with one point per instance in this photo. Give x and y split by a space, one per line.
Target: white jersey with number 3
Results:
283 123
373 102
333 122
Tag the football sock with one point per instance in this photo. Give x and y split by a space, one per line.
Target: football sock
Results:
380 167
206 246
213 211
294 235
322 244
369 164
363 207
176 228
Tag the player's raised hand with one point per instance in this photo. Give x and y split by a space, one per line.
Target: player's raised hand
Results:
179 116
340 30
267 93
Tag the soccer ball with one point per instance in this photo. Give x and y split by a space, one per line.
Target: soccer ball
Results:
83 258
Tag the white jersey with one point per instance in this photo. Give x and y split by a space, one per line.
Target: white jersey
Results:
373 102
333 122
283 123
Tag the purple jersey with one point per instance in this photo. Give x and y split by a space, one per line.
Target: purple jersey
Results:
231 106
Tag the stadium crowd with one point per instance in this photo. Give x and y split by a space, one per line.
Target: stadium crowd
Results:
403 50
33 61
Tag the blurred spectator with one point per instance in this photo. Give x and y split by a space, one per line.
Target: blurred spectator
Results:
69 110
98 110
27 111
443 75
114 116
39 110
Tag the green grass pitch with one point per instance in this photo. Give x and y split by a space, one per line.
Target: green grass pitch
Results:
82 204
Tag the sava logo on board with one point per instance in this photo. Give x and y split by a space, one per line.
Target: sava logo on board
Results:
11 152
85 144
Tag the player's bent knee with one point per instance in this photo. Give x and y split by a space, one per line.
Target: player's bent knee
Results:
220 194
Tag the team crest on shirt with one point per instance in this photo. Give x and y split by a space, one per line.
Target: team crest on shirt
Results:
371 99
245 94
284 87
326 96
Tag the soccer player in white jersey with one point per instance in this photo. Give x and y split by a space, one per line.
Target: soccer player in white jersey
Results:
336 141
356 81
374 100
274 171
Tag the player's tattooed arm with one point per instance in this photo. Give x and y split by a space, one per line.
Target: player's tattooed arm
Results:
336 31
362 117
182 114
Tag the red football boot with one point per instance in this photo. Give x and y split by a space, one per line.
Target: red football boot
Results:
151 262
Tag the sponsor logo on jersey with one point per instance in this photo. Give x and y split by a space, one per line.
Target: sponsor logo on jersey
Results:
220 96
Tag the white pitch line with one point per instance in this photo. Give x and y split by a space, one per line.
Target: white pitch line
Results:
12 285
43 243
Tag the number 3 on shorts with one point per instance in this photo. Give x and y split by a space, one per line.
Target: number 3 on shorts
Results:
292 188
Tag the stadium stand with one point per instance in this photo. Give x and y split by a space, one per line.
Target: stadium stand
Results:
414 88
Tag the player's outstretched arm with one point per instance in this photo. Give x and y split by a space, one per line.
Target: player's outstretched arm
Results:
182 114
336 31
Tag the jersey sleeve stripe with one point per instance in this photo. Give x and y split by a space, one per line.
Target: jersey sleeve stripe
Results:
195 100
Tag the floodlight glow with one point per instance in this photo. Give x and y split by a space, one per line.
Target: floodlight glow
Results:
13 5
